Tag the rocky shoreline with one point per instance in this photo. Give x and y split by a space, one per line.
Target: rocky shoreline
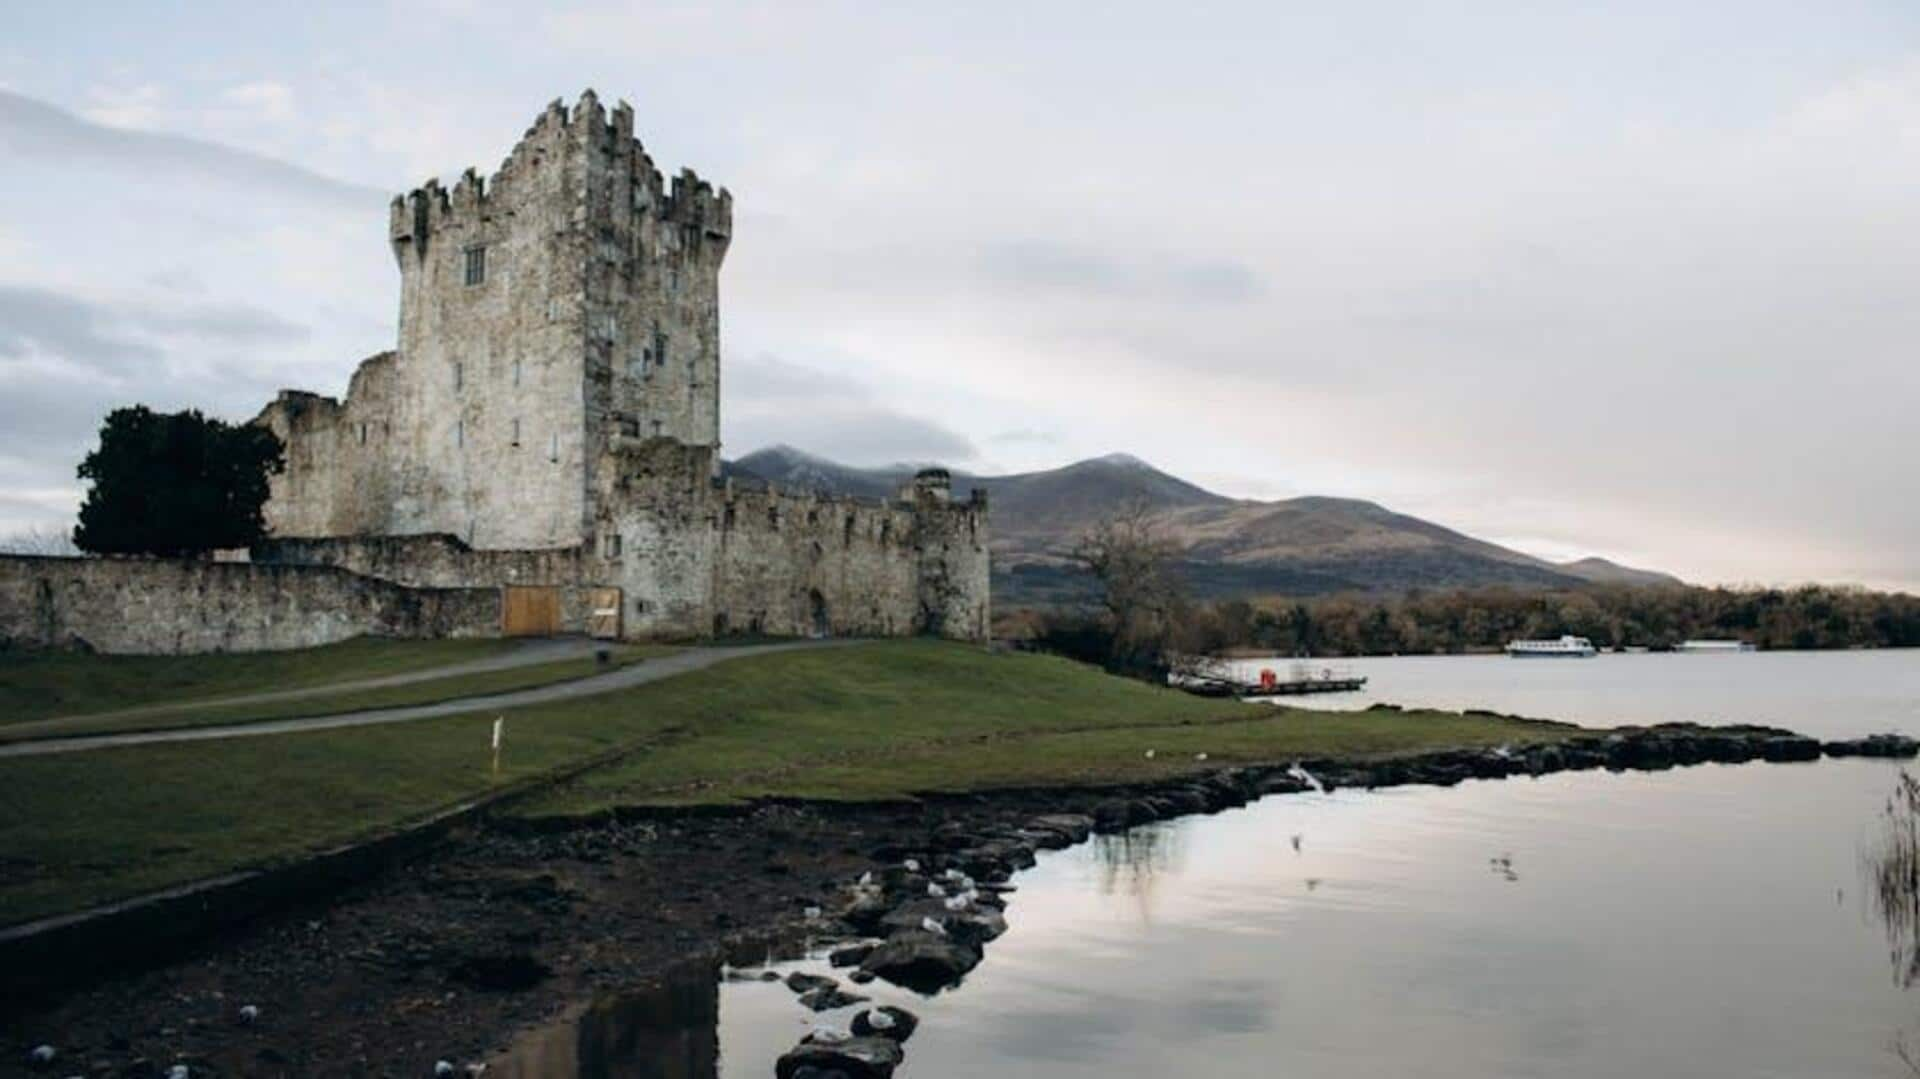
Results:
502 928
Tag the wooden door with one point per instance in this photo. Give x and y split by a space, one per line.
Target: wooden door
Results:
530 612
603 614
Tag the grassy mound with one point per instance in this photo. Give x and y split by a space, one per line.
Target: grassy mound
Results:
870 721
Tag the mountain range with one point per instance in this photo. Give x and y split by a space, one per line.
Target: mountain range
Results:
1229 547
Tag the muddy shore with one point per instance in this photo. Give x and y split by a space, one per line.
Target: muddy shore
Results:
502 928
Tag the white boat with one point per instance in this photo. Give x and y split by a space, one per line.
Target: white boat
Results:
1713 646
1567 647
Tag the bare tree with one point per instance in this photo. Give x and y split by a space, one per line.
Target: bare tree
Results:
39 540
1144 598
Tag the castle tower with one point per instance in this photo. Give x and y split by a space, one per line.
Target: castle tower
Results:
568 300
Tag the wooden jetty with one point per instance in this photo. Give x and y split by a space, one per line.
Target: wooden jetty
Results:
1299 684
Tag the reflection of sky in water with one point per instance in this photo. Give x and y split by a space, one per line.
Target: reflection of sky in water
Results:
1709 921
1828 694
1685 923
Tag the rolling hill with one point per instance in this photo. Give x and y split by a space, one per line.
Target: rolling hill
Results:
1297 546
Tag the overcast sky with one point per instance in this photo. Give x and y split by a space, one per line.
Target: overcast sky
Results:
1630 279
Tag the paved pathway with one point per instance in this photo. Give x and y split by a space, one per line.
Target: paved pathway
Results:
648 670
525 654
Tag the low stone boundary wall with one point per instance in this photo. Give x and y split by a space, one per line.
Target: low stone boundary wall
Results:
169 606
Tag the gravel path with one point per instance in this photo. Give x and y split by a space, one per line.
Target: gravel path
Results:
650 670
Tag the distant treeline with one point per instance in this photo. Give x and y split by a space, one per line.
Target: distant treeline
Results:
1612 616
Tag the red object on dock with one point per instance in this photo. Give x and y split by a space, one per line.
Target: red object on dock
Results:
1268 679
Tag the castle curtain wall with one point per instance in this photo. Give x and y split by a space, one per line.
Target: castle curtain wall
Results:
551 417
180 606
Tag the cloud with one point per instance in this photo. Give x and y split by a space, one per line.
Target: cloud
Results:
37 322
1026 436
54 326
271 101
31 127
136 107
772 402
1027 265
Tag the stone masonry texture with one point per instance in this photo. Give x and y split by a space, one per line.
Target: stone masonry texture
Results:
551 417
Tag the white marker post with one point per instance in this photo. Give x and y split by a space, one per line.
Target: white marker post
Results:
499 724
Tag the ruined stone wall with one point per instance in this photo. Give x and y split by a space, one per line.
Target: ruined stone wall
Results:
442 561
570 298
338 480
697 557
552 417
179 606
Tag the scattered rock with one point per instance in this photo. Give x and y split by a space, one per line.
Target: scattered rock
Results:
886 1021
855 1058
807 983
827 998
1896 746
921 961
851 955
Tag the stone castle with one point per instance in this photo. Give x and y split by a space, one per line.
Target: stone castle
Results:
550 424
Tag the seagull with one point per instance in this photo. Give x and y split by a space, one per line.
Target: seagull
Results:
1302 775
866 879
443 1067
912 864
1503 751
43 1054
881 1019
249 1013
933 927
827 1035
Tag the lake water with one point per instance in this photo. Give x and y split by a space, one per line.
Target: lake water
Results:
1708 921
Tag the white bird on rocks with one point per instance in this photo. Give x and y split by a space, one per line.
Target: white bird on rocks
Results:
866 879
826 1035
1301 774
932 926
443 1067
43 1054
249 1012
881 1019
912 864
1503 751
935 891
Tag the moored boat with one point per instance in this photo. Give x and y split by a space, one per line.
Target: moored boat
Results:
1567 647
1713 646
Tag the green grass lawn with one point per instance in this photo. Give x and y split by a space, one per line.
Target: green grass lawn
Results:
871 721
431 691
40 685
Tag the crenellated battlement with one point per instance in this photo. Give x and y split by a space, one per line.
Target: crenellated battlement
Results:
553 404
560 137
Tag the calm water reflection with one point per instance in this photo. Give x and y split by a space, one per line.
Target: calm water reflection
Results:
1828 694
665 1030
1712 921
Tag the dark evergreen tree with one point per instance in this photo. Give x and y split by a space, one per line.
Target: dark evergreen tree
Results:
175 484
